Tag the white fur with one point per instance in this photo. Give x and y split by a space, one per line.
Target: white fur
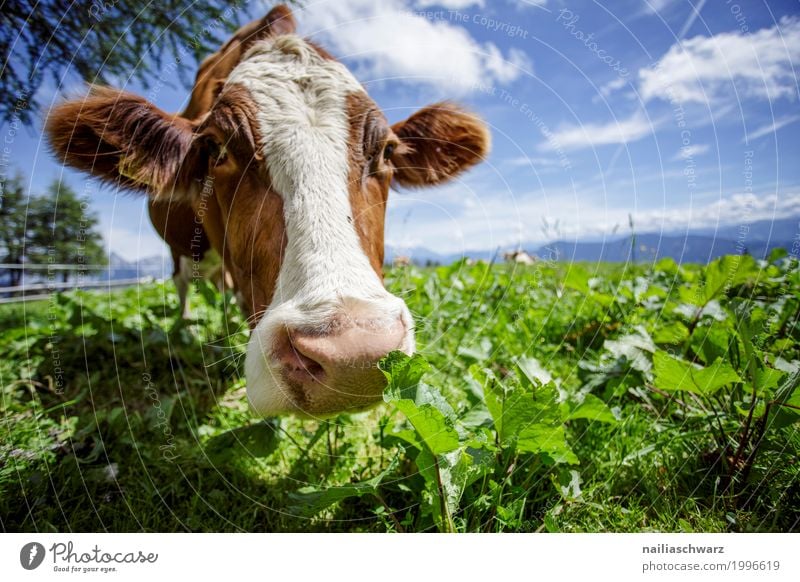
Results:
302 117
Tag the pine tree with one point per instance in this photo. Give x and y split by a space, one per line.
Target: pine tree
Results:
13 207
61 229
99 40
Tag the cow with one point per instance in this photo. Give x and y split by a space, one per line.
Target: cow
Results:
401 261
519 256
282 164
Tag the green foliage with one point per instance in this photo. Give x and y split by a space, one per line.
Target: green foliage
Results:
61 230
13 203
56 227
101 41
543 398
674 374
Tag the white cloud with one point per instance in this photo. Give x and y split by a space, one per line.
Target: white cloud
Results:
691 151
388 39
506 69
658 5
530 2
574 137
451 4
726 211
702 69
771 128
505 221
613 85
654 7
525 161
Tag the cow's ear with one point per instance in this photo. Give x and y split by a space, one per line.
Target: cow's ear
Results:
216 68
121 138
438 142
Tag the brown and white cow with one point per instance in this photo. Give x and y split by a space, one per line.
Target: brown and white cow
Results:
285 163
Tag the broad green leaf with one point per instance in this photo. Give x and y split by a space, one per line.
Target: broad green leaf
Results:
715 376
711 342
256 440
476 416
548 439
207 291
459 469
592 408
788 394
635 347
433 428
692 295
513 409
427 394
767 379
577 279
777 254
568 483
672 374
446 477
674 333
603 299
667 265
727 272
532 373
309 501
758 411
403 374
425 407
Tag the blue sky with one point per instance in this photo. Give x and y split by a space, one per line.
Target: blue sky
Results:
684 114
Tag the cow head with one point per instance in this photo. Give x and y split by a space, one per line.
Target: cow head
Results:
287 163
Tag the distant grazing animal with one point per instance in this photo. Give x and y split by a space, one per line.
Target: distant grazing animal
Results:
401 261
281 163
520 257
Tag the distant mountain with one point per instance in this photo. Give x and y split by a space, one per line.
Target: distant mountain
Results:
652 247
697 246
784 229
423 255
120 268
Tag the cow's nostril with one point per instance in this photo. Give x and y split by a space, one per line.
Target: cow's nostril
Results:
320 362
296 365
353 346
346 356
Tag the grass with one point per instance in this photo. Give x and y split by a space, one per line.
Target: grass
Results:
546 398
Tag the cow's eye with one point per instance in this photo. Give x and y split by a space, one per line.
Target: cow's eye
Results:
388 151
217 152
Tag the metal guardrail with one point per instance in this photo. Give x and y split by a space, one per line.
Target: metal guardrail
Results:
43 290
53 267
24 296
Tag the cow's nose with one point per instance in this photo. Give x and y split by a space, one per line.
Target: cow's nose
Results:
344 358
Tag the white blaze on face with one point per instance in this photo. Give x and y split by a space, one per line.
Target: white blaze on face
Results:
301 99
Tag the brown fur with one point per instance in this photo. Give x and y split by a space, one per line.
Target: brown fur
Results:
228 203
174 222
443 140
216 68
121 138
243 216
369 175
